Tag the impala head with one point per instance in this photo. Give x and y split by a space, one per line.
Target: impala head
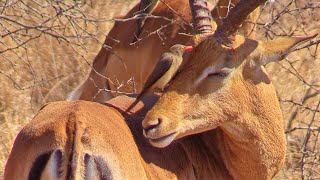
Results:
222 84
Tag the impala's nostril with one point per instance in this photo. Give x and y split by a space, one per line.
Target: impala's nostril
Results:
159 120
153 124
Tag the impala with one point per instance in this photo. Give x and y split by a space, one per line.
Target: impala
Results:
221 109
127 62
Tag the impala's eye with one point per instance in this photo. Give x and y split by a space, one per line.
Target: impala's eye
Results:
220 73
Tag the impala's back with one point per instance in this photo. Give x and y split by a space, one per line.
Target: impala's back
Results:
72 140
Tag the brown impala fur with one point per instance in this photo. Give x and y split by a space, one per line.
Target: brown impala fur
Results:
241 106
232 126
93 138
125 61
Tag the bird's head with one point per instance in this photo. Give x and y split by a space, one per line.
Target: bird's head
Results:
179 49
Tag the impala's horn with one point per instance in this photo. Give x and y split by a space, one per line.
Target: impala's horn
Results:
226 31
201 15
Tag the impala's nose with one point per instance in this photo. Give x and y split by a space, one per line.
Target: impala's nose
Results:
150 125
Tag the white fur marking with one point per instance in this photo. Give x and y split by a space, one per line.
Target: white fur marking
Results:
51 170
91 169
204 74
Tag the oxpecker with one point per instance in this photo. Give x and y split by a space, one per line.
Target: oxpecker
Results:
167 66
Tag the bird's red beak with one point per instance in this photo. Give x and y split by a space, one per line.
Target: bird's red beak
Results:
188 48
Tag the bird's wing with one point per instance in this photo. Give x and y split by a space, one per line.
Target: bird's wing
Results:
161 68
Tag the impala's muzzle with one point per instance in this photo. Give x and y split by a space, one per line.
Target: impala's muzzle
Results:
156 131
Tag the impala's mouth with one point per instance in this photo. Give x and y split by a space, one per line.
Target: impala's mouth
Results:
163 141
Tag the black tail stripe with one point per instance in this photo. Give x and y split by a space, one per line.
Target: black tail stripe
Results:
41 162
38 166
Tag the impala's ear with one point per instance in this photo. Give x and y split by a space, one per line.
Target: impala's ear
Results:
277 49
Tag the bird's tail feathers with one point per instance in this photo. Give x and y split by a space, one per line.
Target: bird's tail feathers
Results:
135 102
133 105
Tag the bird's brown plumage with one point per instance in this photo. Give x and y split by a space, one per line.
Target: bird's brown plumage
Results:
160 76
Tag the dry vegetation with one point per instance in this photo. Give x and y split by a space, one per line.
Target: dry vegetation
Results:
46 48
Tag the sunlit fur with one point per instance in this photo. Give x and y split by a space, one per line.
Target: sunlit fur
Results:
243 105
76 128
81 127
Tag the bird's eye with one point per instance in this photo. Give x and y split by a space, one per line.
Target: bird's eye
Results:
220 73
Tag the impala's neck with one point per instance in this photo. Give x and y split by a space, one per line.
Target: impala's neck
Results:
251 154
253 146
202 152
237 151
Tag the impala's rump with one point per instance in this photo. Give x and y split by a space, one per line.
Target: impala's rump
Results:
73 144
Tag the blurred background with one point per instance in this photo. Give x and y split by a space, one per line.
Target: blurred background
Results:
47 47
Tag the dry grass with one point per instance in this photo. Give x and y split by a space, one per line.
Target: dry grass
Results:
47 70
